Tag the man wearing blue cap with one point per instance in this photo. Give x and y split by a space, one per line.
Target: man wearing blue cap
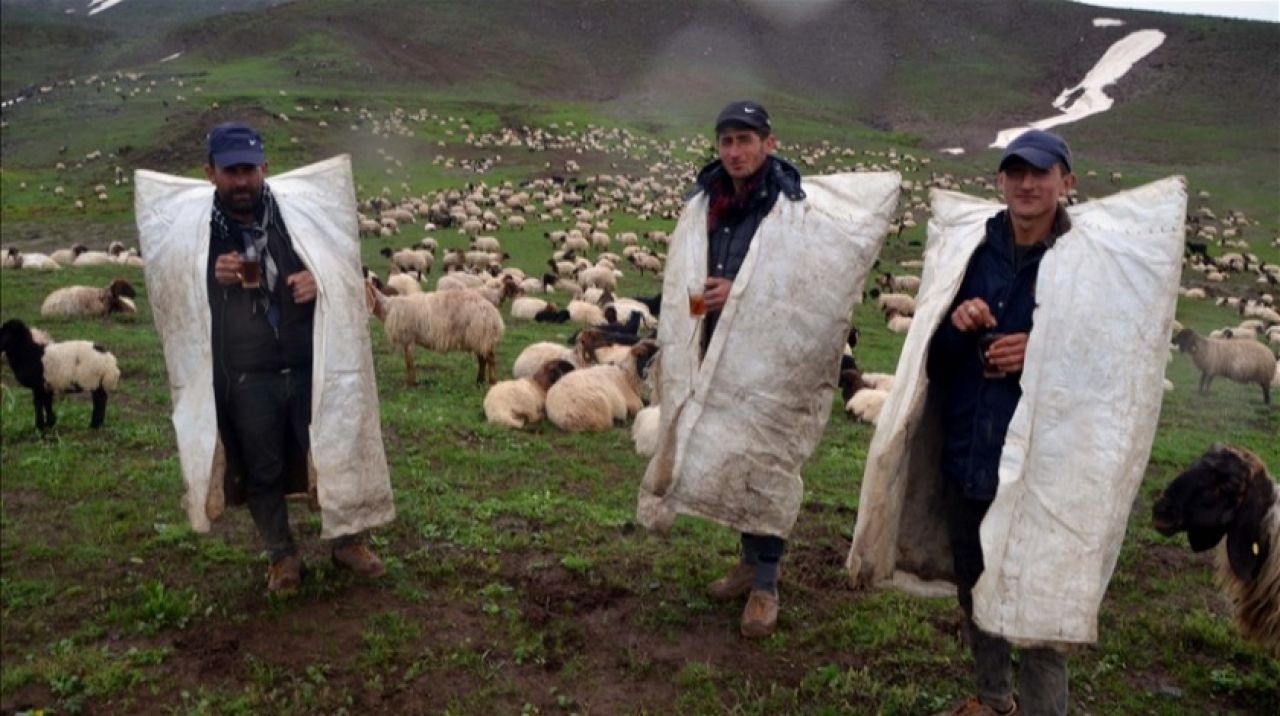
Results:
262 298
975 363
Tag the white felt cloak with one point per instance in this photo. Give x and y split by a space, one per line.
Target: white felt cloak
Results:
348 467
737 427
1079 440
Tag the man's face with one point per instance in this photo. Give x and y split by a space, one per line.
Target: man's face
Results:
1032 192
239 186
743 151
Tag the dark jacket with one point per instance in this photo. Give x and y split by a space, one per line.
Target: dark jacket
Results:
976 411
729 232
255 346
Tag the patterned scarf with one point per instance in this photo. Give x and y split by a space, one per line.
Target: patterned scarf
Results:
226 230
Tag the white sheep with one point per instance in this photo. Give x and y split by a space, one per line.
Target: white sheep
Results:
442 321
866 404
81 301
404 284
584 312
902 303
596 398
92 258
517 403
526 308
1241 361
56 368
535 355
597 277
645 430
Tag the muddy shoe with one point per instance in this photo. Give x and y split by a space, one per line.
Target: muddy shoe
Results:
734 584
761 615
359 559
974 707
284 576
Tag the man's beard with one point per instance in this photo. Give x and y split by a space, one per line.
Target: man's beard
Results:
244 201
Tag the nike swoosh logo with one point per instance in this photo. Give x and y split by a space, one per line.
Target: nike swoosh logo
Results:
748 110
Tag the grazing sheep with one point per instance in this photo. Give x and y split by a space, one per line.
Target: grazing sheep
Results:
597 397
488 244
443 321
459 281
419 260
597 277
77 301
1241 361
1228 493
517 403
53 368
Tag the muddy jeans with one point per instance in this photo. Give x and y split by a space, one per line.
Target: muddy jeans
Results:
1042 673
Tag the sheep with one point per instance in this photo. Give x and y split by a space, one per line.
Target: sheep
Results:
584 312
526 308
866 404
499 291
644 430
419 260
1241 361
76 301
597 277
404 284
459 281
37 262
66 367
517 403
906 284
1228 493
595 398
429 244
443 321
646 262
68 256
535 355
897 322
902 303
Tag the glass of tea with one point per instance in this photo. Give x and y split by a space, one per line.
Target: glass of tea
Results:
697 301
989 369
250 269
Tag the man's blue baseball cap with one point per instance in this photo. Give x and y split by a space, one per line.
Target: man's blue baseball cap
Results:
234 143
1038 148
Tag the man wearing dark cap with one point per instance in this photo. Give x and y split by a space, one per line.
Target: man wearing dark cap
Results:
742 187
262 298
975 364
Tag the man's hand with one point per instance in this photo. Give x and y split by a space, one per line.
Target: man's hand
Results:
717 293
226 270
973 315
1007 352
303 285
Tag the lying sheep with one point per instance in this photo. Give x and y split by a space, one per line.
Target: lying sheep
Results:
535 355
54 368
896 322
517 403
866 404
526 308
1228 493
584 312
79 301
902 303
645 430
907 284
597 397
1241 361
443 321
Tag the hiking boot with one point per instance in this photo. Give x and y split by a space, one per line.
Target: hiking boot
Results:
761 614
284 576
360 560
734 584
974 707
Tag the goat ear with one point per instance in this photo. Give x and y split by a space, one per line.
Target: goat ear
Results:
1245 546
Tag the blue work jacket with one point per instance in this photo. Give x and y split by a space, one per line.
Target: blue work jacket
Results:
975 410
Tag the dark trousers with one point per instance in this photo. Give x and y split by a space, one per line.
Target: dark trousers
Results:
271 413
1042 673
764 552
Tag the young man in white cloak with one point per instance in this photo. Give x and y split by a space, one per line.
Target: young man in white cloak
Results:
259 331
747 387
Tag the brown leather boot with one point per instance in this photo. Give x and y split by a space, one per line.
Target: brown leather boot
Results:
973 707
284 576
359 559
734 584
761 614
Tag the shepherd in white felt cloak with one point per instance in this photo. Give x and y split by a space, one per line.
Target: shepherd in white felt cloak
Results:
1022 415
745 391
259 302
